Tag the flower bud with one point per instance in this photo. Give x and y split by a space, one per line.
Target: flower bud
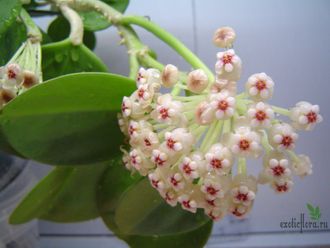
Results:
224 37
170 75
197 81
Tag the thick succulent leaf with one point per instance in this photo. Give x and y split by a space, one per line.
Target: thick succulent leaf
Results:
94 21
68 120
158 226
9 11
59 30
142 214
116 180
67 194
63 57
11 40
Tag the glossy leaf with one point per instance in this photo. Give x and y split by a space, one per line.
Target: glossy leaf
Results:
9 11
148 209
94 21
116 180
158 227
62 58
59 30
11 40
68 120
67 194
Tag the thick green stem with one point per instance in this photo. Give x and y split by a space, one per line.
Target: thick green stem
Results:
281 111
33 31
241 166
180 48
76 24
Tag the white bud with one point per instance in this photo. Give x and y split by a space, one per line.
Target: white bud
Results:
224 37
197 81
170 75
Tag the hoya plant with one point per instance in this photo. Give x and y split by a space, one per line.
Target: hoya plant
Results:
158 154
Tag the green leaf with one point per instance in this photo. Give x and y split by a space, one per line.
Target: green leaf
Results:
67 194
116 180
117 184
314 213
62 58
11 40
94 21
59 30
9 11
140 214
310 208
68 120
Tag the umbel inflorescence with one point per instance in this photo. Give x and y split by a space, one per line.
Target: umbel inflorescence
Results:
188 145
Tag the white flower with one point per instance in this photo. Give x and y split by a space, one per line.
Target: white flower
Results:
228 66
145 94
223 104
215 187
179 140
149 76
170 196
190 166
135 128
278 168
159 158
167 110
239 210
224 84
302 166
283 185
139 161
13 76
216 214
123 124
219 159
243 190
157 180
130 108
260 86
305 116
260 115
176 181
170 75
283 137
197 81
148 141
245 142
204 114
224 37
188 203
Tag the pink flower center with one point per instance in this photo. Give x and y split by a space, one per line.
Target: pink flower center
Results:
164 113
260 85
147 142
226 59
211 190
282 188
186 204
174 181
139 76
244 144
141 93
278 170
159 161
311 117
287 141
11 74
210 202
187 169
155 183
242 197
216 163
170 143
223 105
261 115
237 213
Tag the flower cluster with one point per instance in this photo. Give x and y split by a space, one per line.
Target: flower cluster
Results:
22 71
188 145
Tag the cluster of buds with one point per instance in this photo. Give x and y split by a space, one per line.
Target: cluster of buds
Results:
22 71
188 145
